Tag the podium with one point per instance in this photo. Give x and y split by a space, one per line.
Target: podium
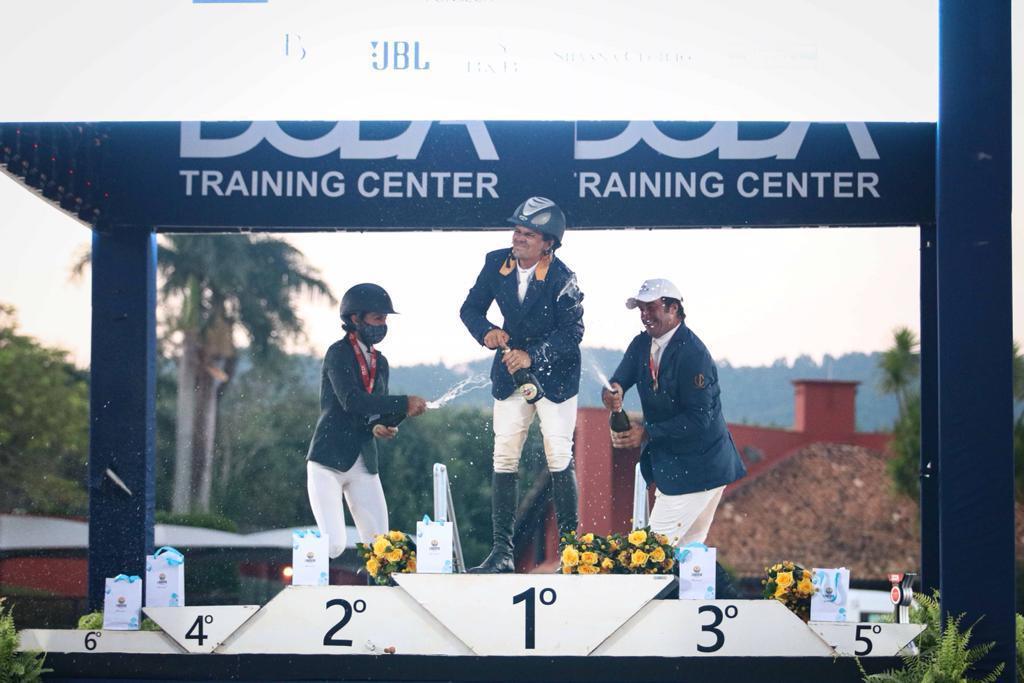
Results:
477 627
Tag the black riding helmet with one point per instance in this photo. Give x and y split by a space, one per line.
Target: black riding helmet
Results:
543 215
365 297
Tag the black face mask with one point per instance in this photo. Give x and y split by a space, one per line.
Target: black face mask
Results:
371 334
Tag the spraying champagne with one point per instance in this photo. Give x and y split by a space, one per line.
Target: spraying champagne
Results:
617 420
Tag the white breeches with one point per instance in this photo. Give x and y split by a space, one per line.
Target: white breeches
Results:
685 518
363 493
512 418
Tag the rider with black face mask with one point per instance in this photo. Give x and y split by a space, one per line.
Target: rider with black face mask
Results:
355 410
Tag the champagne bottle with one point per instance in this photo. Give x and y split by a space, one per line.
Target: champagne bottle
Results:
527 384
619 421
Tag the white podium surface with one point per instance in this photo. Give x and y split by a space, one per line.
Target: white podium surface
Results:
715 628
866 640
343 620
200 629
516 615
100 642
532 614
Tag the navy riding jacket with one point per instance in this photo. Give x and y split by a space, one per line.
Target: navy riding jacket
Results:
689 447
548 325
348 412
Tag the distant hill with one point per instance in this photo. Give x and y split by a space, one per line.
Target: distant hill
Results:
764 395
752 395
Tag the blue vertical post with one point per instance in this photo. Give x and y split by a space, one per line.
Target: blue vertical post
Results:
929 461
122 405
976 518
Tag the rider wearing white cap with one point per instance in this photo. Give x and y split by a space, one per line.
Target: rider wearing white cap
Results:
687 451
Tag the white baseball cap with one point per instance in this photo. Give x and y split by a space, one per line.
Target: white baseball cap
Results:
652 290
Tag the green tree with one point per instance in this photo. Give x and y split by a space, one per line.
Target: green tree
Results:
220 284
901 366
905 466
213 288
267 419
901 370
44 425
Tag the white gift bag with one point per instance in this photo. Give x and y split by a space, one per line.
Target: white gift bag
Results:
165 578
433 547
122 603
310 555
829 602
696 564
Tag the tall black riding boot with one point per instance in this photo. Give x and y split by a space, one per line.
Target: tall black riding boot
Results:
504 498
565 494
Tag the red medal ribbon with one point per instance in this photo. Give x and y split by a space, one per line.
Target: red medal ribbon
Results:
653 367
369 375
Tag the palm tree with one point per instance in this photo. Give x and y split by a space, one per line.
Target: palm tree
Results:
217 287
223 284
901 366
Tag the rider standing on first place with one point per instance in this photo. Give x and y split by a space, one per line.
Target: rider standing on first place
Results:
543 326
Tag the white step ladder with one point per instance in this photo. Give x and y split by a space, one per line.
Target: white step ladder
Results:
444 510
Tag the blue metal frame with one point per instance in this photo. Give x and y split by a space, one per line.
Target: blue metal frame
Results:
929 480
122 401
975 324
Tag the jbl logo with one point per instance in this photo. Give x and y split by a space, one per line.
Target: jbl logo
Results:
397 55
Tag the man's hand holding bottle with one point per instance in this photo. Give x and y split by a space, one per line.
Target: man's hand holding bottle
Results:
612 398
415 406
514 360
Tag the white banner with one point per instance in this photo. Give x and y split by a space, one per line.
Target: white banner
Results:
479 59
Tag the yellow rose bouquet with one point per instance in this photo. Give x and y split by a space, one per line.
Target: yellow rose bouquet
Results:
586 554
790 584
390 553
641 552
